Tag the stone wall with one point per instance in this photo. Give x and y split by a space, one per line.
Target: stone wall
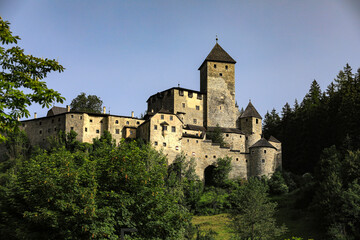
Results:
262 161
220 93
192 103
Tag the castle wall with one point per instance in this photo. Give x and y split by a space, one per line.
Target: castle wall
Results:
251 140
167 140
192 103
162 100
40 129
206 153
262 161
236 141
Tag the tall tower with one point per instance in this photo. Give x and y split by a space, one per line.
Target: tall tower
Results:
217 81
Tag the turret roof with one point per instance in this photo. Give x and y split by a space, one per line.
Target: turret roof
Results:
273 139
262 143
218 54
250 111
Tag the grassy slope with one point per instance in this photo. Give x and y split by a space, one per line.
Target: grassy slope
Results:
300 223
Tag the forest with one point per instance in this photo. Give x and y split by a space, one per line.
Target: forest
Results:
100 190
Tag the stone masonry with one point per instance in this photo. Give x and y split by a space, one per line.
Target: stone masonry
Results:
177 121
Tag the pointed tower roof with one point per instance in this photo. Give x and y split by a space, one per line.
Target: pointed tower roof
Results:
218 54
262 143
250 111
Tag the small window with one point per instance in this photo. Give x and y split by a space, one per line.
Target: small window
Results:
49 130
206 156
264 151
237 159
183 105
155 143
246 160
173 129
246 138
214 156
226 67
227 135
263 160
171 118
72 128
90 120
52 120
246 120
164 144
117 131
252 151
199 96
131 132
195 121
220 74
188 140
240 136
137 122
80 117
177 148
197 141
23 124
101 121
58 119
214 65
85 129
162 117
97 131
164 128
190 94
39 123
220 107
181 93
117 122
127 123
72 116
257 121
40 132
197 107
155 127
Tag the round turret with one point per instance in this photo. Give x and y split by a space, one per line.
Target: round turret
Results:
262 158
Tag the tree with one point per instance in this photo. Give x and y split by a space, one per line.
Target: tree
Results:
83 103
252 213
216 136
20 81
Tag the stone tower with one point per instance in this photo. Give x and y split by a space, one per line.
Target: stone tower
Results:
217 81
250 123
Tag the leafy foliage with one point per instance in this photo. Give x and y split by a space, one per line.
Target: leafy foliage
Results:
216 136
252 213
83 103
20 81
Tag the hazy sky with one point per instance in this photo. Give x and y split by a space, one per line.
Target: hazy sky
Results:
125 51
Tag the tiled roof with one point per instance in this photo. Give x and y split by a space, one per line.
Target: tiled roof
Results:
55 111
273 139
262 143
218 54
195 127
250 111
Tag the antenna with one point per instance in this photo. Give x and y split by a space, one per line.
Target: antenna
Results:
216 38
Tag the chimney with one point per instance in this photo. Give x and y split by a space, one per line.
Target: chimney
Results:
67 108
132 114
104 110
35 115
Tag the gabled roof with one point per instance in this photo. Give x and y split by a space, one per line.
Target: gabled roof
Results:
273 139
250 111
262 143
218 54
195 127
55 111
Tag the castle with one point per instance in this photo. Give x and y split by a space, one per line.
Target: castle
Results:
178 120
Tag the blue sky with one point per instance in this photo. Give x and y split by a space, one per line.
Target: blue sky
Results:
125 51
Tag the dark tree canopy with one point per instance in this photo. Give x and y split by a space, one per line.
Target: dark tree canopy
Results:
20 81
83 103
